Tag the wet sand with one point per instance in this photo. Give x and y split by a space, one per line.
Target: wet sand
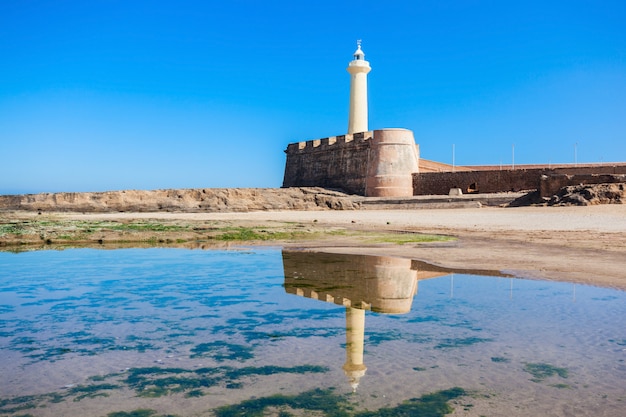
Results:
578 244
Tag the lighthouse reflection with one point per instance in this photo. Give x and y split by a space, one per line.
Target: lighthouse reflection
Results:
381 284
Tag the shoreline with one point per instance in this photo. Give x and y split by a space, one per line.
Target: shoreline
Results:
584 245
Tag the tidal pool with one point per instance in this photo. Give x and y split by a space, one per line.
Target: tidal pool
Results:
252 332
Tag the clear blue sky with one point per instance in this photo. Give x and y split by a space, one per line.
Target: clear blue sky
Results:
108 95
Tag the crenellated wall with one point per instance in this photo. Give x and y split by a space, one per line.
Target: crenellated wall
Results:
376 163
337 162
385 163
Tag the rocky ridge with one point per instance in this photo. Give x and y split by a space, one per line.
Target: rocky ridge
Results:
211 200
183 200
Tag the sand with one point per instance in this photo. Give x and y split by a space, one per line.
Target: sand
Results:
577 244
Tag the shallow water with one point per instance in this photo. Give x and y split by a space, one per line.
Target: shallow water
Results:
182 332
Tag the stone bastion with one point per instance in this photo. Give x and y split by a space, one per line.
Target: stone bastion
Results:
377 163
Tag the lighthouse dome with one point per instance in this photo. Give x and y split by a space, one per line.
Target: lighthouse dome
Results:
359 54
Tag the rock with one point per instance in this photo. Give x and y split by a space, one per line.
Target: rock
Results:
184 200
576 195
592 194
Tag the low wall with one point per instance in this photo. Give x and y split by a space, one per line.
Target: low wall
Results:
496 181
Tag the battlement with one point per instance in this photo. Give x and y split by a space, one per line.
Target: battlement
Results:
330 142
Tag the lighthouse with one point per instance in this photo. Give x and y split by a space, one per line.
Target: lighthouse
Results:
371 163
358 69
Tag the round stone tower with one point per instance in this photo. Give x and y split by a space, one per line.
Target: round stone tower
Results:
358 69
393 159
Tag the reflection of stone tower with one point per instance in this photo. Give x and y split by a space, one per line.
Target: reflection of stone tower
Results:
358 69
378 283
381 284
355 337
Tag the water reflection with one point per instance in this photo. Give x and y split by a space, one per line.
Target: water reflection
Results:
185 332
381 284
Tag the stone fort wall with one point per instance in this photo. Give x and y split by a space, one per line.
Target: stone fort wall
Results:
385 163
376 163
504 180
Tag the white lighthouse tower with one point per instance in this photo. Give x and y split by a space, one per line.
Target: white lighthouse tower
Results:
358 69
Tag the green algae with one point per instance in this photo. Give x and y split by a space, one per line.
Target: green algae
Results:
236 373
76 230
13 228
561 386
541 371
65 233
25 402
461 342
326 402
194 393
13 405
500 359
142 227
222 351
429 405
155 392
91 391
155 382
404 238
140 412
250 233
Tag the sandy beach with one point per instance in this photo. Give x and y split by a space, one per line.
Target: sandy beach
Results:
578 244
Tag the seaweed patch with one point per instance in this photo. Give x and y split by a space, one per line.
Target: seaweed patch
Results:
329 404
541 371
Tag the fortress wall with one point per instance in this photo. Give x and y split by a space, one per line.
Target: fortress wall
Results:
376 163
337 162
440 183
494 181
385 163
